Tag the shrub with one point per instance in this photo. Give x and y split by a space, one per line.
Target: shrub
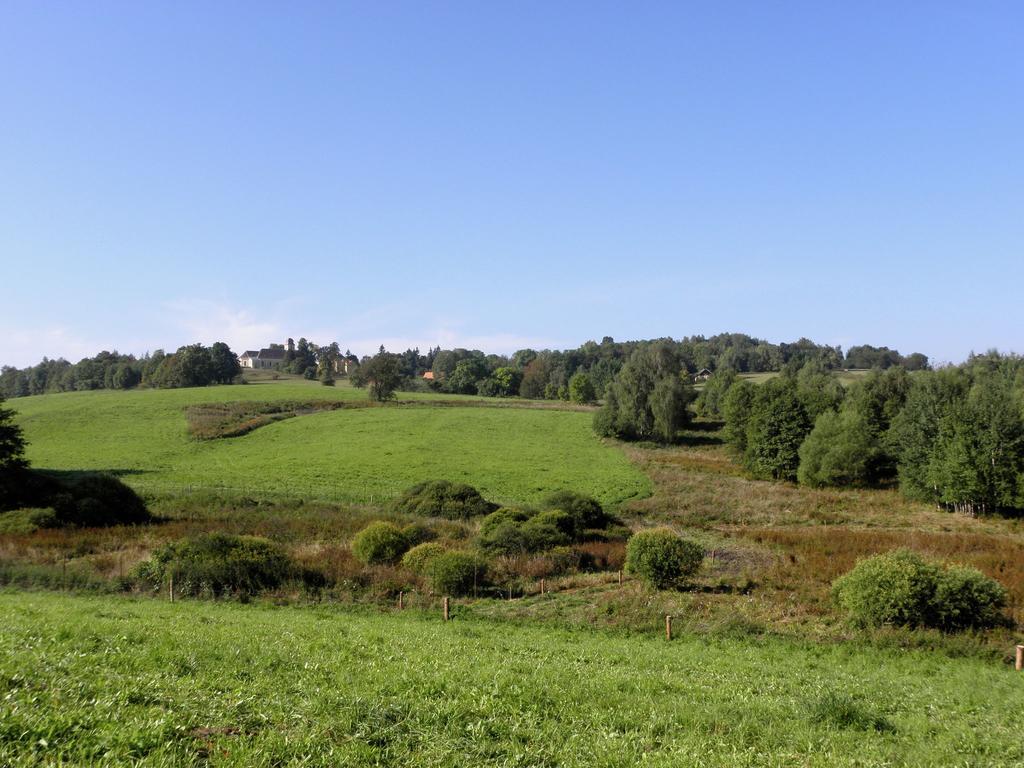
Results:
417 533
547 530
515 532
966 598
419 557
456 573
504 538
587 511
581 389
902 588
379 543
563 560
894 588
21 521
441 498
91 500
100 500
557 518
662 558
219 563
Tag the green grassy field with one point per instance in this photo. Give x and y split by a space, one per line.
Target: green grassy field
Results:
512 454
846 377
114 681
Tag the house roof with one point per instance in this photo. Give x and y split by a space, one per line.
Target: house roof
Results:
429 375
703 371
271 354
250 353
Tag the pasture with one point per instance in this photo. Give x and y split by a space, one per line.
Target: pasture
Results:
105 681
512 454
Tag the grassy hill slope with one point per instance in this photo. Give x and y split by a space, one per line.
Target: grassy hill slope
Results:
511 454
90 681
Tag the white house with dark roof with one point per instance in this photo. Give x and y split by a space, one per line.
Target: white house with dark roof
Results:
265 358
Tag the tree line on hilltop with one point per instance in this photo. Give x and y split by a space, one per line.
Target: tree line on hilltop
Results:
580 375
583 375
194 365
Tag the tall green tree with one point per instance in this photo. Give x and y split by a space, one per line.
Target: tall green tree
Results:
194 366
12 441
467 374
841 450
224 363
914 432
737 405
581 389
819 389
776 428
382 374
507 380
977 466
648 399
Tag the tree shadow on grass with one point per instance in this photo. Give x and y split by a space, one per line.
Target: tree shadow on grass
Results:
78 474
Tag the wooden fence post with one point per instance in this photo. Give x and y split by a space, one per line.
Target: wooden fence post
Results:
171 588
64 573
542 586
1019 665
446 609
510 593
668 627
401 600
620 577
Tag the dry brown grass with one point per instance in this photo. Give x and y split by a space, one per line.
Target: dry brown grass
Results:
704 488
811 558
791 542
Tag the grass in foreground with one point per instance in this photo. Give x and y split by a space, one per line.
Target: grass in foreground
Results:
105 681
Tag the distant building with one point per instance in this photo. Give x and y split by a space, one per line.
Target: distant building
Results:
265 358
345 364
428 376
702 375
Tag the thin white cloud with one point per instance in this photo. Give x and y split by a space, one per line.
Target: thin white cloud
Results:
22 347
190 320
202 320
498 343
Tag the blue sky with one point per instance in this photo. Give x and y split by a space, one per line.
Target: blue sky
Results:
499 175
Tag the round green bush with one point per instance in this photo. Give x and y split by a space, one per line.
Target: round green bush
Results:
417 533
662 558
965 598
501 517
547 530
456 573
904 589
418 558
558 519
501 532
585 510
380 543
219 563
441 498
894 588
